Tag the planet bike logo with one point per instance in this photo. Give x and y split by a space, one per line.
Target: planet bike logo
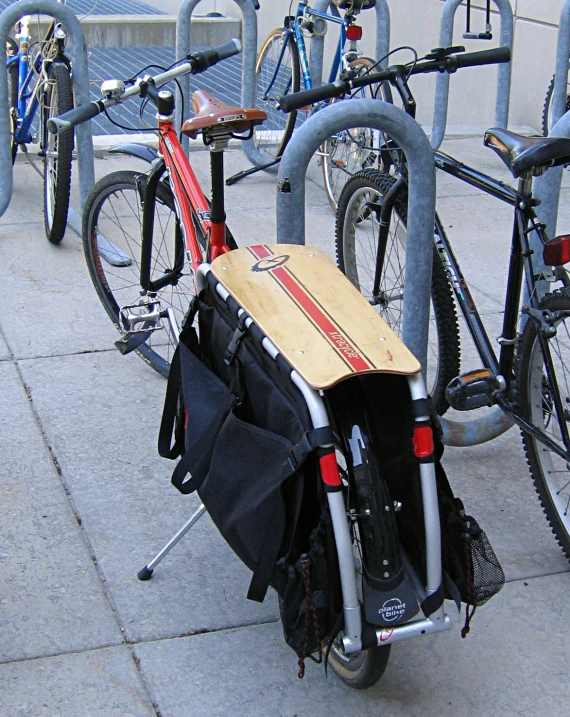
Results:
270 262
392 609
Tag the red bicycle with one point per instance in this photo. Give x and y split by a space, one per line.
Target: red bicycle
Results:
159 223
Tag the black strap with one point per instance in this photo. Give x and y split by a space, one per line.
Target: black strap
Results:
165 449
309 442
433 602
269 553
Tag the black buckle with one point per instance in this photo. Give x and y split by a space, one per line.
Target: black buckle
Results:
237 338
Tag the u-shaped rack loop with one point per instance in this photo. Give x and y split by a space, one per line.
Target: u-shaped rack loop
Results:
503 76
80 79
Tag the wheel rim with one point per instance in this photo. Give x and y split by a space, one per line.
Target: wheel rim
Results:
269 136
360 238
555 472
51 157
118 218
354 149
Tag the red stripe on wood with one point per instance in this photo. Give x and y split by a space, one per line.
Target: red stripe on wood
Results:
338 340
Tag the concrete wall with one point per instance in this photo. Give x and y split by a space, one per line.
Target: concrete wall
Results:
416 23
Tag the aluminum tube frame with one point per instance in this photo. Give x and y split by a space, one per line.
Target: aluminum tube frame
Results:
382 39
503 77
558 101
408 134
80 79
249 42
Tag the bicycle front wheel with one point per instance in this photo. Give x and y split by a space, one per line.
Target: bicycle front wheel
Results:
537 394
357 148
357 232
58 150
277 73
12 51
112 221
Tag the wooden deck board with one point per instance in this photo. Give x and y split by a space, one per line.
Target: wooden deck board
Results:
319 322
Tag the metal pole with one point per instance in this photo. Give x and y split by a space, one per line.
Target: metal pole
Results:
558 101
80 78
249 42
421 192
503 76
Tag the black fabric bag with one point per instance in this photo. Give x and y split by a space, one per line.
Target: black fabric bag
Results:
246 443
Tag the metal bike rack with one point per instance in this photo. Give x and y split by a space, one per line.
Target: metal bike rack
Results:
249 41
421 203
503 77
80 78
558 101
382 38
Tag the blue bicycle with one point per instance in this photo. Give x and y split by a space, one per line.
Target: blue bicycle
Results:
39 78
283 66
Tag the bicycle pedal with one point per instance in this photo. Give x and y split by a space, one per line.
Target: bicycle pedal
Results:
147 313
132 342
471 390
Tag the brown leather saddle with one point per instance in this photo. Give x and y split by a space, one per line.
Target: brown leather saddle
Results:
211 114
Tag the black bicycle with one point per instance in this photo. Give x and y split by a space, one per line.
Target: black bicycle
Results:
530 378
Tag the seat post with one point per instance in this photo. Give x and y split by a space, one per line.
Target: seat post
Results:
217 209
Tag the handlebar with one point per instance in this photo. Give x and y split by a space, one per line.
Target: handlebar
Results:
197 62
449 63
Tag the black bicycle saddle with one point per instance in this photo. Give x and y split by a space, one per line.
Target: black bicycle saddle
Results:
522 154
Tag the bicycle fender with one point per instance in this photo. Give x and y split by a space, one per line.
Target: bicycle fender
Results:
141 151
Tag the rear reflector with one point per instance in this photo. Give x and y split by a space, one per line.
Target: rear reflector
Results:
557 251
354 32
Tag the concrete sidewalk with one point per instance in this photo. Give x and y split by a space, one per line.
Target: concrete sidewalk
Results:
86 502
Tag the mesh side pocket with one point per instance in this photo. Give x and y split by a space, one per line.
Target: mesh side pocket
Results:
309 592
488 575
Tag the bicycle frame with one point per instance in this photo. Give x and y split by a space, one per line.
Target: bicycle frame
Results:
190 205
520 265
27 89
296 31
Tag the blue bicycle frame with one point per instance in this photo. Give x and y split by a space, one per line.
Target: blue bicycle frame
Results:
27 89
297 31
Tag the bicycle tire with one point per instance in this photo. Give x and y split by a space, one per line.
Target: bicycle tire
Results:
271 137
58 152
549 472
113 210
546 119
346 153
444 358
13 90
359 670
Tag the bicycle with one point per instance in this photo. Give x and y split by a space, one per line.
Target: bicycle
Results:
377 586
528 380
282 66
43 81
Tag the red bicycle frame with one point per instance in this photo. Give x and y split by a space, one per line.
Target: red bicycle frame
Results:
188 195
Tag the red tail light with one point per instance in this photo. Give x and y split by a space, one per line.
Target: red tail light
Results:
557 251
354 32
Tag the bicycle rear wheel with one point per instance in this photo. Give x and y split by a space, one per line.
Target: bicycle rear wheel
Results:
113 213
359 670
357 230
537 392
357 148
58 150
277 73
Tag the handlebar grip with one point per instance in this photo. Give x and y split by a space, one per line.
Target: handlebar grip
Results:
202 60
494 56
68 120
296 100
